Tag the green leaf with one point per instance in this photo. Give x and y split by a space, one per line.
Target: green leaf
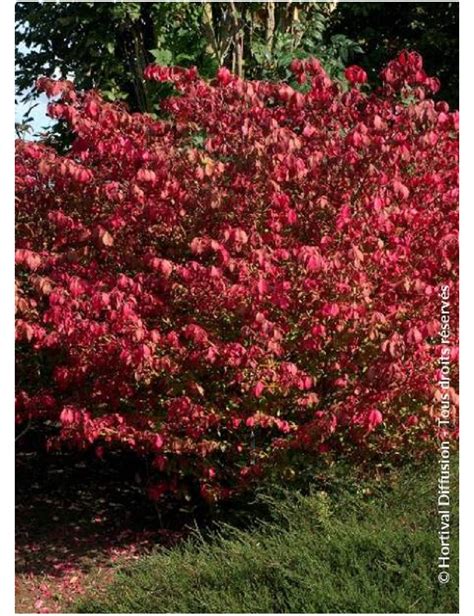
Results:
162 56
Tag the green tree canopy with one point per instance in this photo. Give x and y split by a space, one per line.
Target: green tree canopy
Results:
106 45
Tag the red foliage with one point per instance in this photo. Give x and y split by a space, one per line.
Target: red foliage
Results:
257 273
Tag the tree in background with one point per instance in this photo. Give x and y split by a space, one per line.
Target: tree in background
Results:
104 45
107 46
383 28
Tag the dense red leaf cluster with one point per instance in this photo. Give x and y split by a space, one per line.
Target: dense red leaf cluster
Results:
255 272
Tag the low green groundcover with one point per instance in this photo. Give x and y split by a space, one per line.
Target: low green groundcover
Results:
364 550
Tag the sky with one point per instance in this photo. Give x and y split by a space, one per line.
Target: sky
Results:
39 119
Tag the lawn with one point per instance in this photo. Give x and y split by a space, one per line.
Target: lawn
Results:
351 546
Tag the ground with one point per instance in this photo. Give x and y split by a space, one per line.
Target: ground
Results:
74 525
355 540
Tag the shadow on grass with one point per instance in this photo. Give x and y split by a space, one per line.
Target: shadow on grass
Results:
369 550
369 543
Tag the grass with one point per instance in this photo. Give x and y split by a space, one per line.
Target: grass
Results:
371 548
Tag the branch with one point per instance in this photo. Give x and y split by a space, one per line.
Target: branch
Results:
23 432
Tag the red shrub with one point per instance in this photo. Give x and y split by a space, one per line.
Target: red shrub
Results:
259 272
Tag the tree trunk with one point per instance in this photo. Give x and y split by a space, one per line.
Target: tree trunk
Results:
270 26
212 47
248 38
238 40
